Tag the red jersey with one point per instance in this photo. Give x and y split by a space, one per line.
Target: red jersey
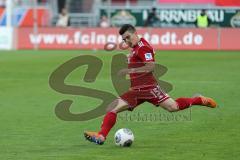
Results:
139 56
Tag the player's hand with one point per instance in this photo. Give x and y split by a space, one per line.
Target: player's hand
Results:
123 72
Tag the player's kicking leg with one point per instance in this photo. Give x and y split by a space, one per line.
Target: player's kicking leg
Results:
109 120
183 103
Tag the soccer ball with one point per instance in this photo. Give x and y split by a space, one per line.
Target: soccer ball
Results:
124 137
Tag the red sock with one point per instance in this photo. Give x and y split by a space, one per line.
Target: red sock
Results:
184 103
108 122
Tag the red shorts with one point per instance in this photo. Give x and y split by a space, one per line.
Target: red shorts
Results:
153 94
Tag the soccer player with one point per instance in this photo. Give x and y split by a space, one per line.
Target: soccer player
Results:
144 86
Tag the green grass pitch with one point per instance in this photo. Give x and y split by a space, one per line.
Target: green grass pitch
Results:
30 129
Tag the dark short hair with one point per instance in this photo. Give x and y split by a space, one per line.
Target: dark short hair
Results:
127 27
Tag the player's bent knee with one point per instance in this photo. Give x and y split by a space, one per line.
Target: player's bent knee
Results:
117 106
172 108
108 110
112 106
170 105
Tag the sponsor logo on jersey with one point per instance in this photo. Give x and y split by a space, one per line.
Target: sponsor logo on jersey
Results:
148 56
